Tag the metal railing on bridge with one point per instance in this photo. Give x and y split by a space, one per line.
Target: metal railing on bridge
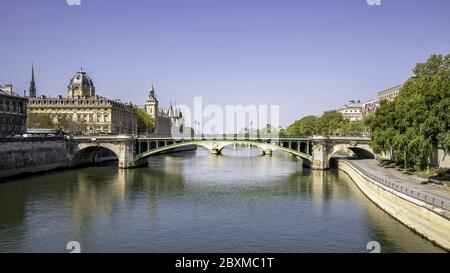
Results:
31 138
222 137
432 200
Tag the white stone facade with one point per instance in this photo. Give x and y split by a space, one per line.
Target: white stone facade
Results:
351 111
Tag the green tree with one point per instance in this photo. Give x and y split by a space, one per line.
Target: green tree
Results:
145 123
306 126
354 128
38 120
189 130
67 124
331 123
417 122
63 122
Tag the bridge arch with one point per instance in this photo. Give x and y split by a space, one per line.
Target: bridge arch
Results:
91 154
363 151
215 146
240 144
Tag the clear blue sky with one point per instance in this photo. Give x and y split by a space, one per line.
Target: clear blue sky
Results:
306 56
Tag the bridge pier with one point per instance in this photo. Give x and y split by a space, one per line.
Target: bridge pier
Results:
215 151
128 164
267 152
125 154
320 153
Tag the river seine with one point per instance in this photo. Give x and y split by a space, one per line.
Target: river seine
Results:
197 202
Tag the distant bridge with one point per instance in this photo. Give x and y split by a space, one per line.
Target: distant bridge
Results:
132 151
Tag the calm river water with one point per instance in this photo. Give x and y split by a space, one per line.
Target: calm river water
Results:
197 202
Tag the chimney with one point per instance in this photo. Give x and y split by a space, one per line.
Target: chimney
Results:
8 88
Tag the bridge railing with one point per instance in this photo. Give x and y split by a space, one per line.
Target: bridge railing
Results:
432 200
31 139
222 137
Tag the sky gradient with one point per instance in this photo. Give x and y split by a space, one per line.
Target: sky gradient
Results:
306 56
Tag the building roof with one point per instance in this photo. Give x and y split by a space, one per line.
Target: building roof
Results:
6 93
82 79
392 89
351 104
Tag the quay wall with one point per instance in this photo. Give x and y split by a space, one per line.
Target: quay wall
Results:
31 155
39 154
428 220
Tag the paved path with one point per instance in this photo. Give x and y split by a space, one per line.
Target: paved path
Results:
406 184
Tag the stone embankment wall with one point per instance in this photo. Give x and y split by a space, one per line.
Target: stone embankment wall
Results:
33 155
430 221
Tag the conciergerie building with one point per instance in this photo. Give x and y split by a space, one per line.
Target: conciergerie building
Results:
97 114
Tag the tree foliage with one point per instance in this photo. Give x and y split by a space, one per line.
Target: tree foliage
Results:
145 123
330 123
417 121
42 121
304 127
67 124
61 122
189 130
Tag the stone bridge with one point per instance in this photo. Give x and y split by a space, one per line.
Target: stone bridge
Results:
133 151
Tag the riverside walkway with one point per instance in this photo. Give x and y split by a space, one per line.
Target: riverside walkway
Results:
404 183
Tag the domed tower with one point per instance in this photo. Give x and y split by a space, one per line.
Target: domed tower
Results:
80 86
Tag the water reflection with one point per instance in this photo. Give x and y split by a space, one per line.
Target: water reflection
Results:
197 202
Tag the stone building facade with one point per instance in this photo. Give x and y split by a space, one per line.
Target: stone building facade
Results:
168 122
13 112
352 111
82 106
390 93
